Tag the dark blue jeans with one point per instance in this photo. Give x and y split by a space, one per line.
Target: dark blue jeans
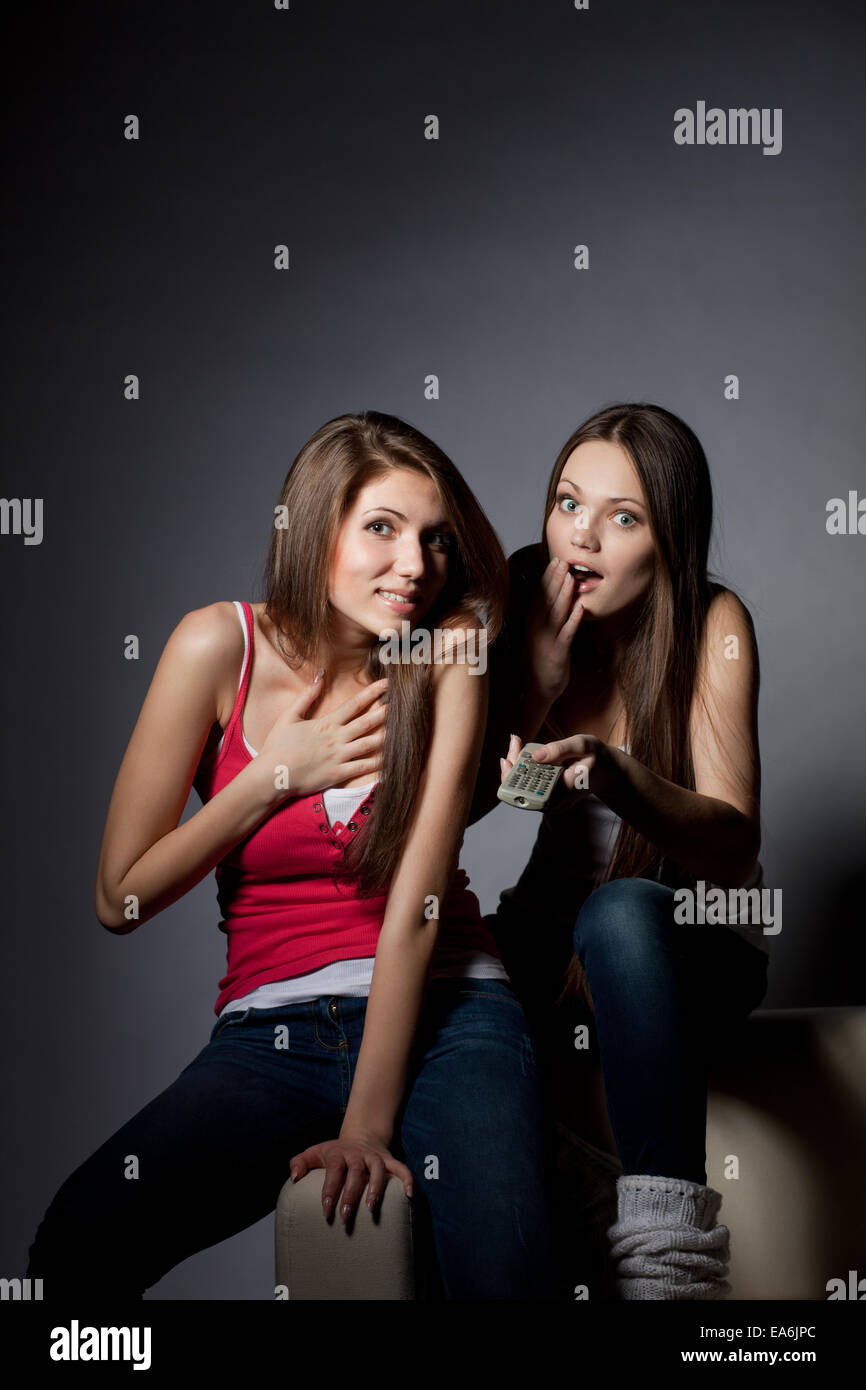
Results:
213 1149
665 996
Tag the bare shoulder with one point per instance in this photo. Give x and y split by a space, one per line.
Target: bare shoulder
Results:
730 651
727 613
460 688
210 640
211 633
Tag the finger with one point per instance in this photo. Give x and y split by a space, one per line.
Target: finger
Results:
307 697
548 752
555 752
304 1163
562 599
554 582
572 622
578 770
400 1171
358 767
552 576
358 704
369 722
365 745
376 1185
356 1181
335 1171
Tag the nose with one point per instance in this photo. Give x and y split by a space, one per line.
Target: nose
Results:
583 532
409 562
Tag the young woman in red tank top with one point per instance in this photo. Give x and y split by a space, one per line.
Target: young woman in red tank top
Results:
423 1068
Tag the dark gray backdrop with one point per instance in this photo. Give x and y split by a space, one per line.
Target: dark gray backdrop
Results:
408 257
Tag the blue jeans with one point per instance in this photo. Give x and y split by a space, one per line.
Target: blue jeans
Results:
213 1149
665 995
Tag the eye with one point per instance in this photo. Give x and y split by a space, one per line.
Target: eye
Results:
442 539
573 509
632 518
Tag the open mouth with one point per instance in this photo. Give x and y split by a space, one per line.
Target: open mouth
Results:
588 578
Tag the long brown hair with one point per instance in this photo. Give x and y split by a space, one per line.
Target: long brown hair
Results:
658 673
339 459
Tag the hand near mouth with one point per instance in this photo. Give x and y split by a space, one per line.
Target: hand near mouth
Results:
554 618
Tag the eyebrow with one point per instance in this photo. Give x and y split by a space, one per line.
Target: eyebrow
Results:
574 488
443 522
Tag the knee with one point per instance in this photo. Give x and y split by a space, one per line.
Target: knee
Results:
625 915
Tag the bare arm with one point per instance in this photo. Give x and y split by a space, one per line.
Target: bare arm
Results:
709 836
713 832
522 713
407 939
145 854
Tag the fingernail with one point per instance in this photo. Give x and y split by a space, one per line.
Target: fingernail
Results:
293 1175
540 753
503 767
346 1210
410 1193
327 1203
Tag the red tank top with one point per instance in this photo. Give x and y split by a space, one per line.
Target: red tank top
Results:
282 911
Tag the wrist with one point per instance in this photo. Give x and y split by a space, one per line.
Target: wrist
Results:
609 772
263 777
373 1133
536 702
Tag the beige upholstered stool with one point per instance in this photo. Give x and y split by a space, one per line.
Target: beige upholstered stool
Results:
788 1103
786 1147
375 1257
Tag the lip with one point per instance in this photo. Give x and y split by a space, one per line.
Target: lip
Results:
585 585
414 601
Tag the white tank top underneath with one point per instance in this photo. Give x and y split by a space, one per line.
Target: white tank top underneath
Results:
353 977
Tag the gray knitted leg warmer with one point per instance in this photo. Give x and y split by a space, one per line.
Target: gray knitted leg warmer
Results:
664 1243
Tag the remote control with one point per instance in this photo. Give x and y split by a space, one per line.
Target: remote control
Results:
529 784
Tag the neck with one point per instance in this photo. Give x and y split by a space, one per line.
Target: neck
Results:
341 656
